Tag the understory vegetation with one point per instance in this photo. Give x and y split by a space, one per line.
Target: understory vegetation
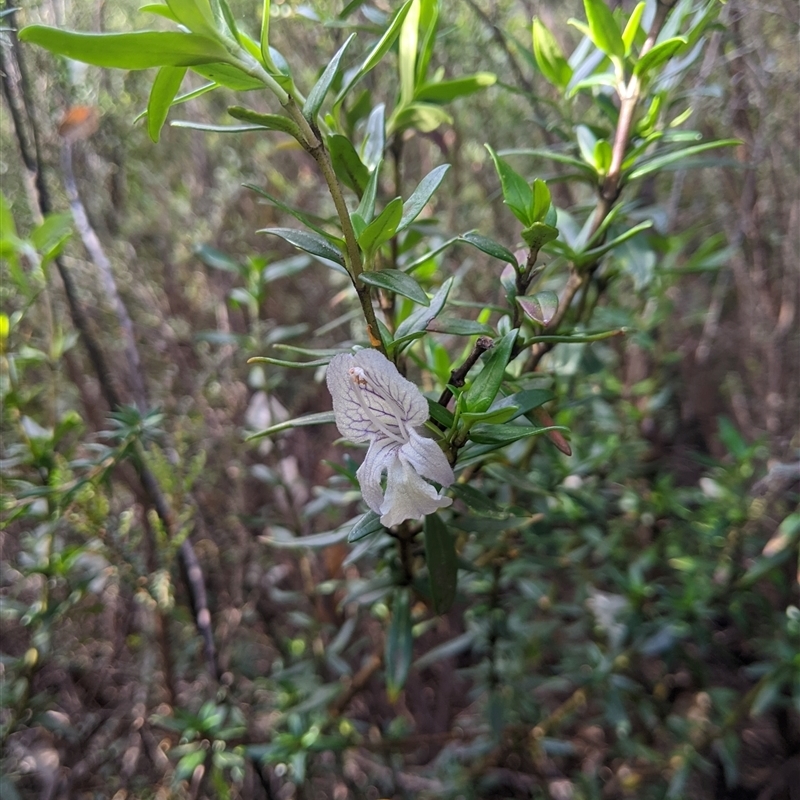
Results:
542 261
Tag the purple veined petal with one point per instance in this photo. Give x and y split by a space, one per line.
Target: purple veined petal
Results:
427 458
371 398
408 496
378 460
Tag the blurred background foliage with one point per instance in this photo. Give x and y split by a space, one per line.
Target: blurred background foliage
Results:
632 632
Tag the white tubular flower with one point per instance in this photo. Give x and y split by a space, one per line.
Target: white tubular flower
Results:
374 403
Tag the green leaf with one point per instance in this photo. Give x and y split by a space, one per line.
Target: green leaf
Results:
658 55
517 194
459 327
296 213
308 242
602 157
365 212
446 91
160 10
587 142
506 434
648 166
323 418
588 256
271 122
423 117
429 21
496 416
185 768
541 200
539 234
317 94
603 28
478 502
632 26
368 524
374 138
525 401
382 228
165 87
420 319
541 307
553 155
230 21
325 539
378 52
347 165
483 390
490 247
208 127
264 37
440 554
399 643
440 414
549 57
139 50
229 76
407 53
196 15
421 195
393 280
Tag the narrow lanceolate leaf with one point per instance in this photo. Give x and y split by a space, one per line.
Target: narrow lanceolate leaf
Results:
365 212
382 228
648 166
490 247
407 52
296 213
605 33
541 200
549 57
139 50
308 242
264 38
506 434
228 75
421 195
374 138
196 15
483 390
399 644
659 55
517 194
165 87
540 307
446 91
398 282
440 553
632 26
317 94
422 317
315 540
347 165
323 418
379 51
272 122
368 524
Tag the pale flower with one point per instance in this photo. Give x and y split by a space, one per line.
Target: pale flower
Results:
374 403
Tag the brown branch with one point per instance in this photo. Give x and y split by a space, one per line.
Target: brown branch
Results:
358 682
458 376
